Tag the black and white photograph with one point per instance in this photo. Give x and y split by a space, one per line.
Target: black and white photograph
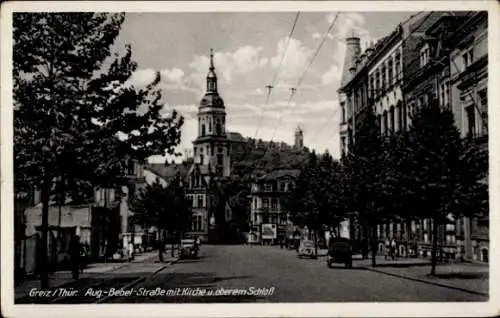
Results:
330 155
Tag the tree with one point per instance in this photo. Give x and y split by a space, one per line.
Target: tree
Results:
152 208
303 204
398 181
437 166
164 207
363 169
70 109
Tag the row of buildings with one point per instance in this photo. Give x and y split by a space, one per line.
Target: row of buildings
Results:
440 56
103 223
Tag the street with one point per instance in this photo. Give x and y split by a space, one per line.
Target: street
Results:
293 279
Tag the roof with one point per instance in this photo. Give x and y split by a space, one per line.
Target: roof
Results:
278 174
168 171
235 137
212 100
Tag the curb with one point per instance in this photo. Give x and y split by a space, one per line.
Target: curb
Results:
427 282
139 280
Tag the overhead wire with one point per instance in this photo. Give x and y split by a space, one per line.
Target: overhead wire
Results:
299 83
270 87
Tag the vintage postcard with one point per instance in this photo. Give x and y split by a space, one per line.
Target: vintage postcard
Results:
249 158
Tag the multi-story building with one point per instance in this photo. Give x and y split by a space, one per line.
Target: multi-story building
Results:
469 98
427 80
391 79
267 205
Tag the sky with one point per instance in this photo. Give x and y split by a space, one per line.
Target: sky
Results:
248 49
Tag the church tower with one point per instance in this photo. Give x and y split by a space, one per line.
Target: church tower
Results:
211 147
299 138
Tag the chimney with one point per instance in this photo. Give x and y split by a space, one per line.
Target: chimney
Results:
353 51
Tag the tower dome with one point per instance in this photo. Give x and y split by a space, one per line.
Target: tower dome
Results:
212 98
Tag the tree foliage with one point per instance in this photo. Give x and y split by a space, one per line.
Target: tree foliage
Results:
77 121
442 171
164 207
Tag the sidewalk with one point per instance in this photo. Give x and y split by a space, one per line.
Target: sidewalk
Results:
468 277
92 274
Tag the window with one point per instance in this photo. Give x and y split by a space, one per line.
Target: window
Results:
390 73
274 218
443 95
220 159
197 224
283 218
483 101
283 186
265 203
267 187
468 57
131 167
397 67
218 127
200 201
424 55
471 121
219 150
384 79
372 86
202 130
391 118
446 94
202 159
274 204
210 126
385 123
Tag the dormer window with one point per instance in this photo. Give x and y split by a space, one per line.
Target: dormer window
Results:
425 53
468 57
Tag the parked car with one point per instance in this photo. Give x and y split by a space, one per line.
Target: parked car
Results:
188 249
306 249
339 251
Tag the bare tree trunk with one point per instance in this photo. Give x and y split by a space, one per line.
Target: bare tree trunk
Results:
315 242
408 236
161 245
45 197
374 240
172 237
434 246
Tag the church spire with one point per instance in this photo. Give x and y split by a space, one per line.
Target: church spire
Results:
212 60
211 77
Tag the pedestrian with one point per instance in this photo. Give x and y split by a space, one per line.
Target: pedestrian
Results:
75 251
387 248
393 248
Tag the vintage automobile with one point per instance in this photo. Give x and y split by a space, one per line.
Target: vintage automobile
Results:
306 249
339 251
188 249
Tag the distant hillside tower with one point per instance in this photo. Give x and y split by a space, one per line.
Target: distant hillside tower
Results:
299 138
211 148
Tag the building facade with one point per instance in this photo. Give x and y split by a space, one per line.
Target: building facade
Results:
469 99
267 205
432 57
